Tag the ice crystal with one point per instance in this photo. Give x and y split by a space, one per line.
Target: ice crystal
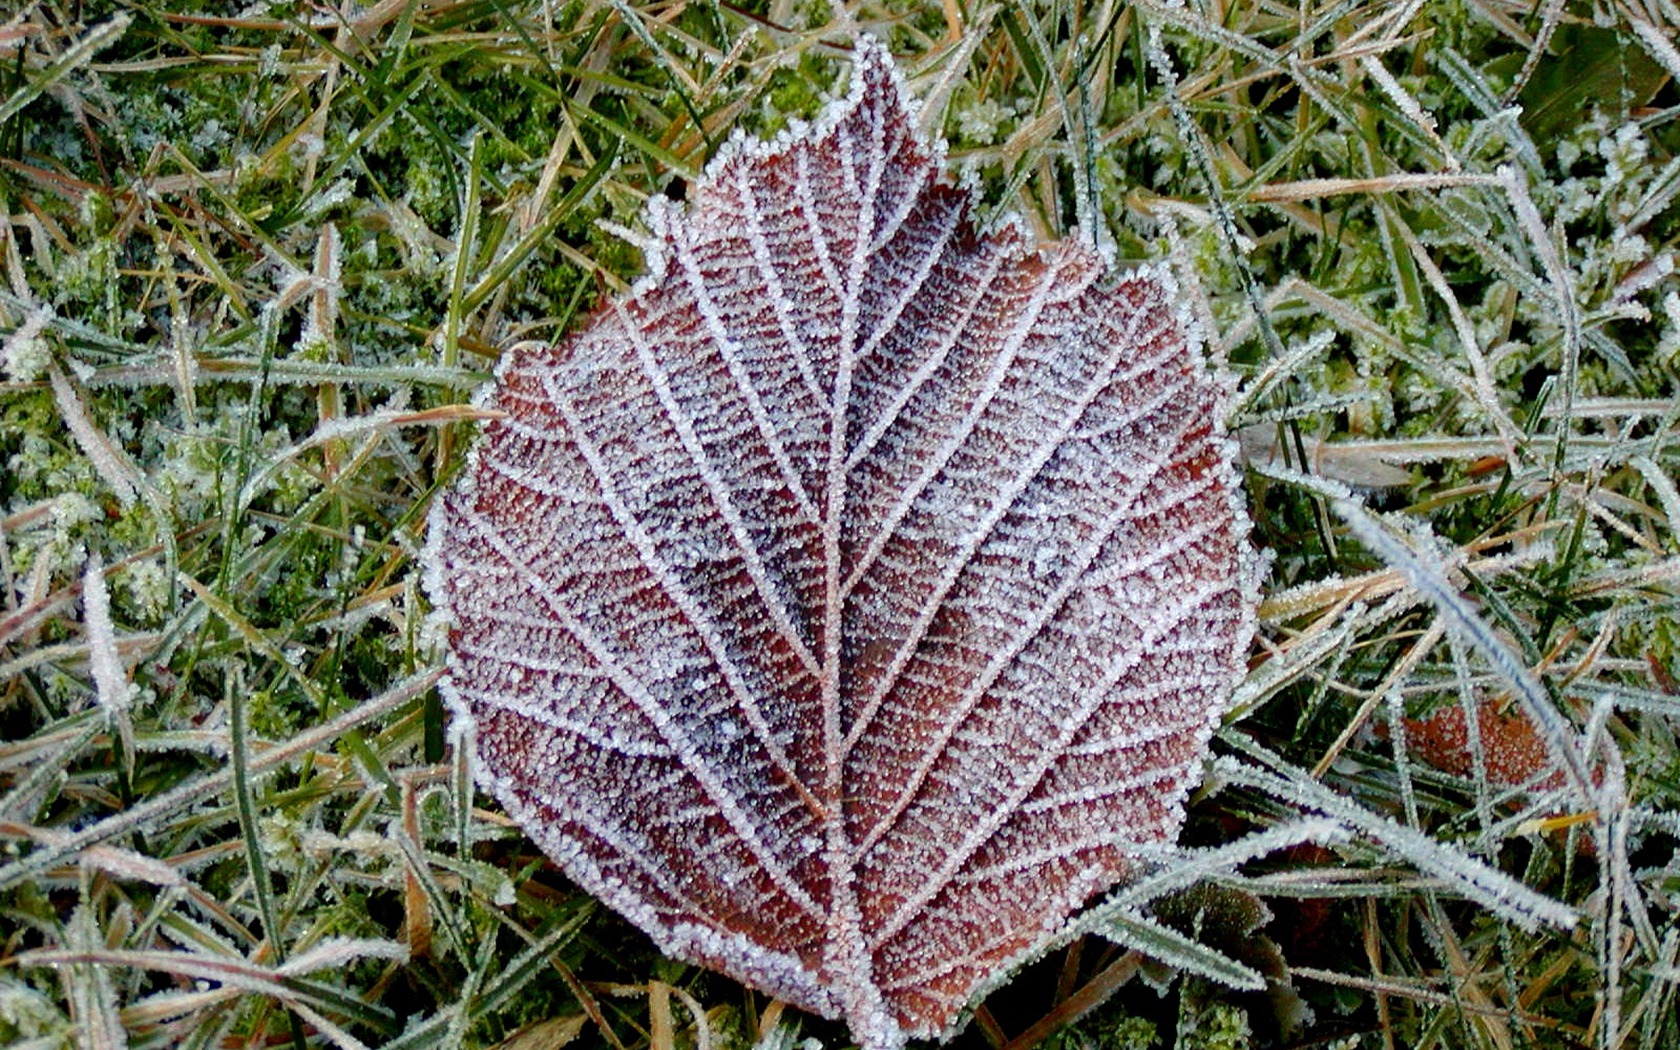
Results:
849 601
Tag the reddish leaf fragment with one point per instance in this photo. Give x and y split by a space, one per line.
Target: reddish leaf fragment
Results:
847 601
1516 754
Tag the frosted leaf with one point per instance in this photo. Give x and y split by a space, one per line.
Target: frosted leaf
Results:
847 603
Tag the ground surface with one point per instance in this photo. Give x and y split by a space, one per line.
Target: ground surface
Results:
255 266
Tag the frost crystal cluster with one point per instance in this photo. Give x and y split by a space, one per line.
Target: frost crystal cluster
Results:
847 602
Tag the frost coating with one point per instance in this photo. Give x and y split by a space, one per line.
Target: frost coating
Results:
848 602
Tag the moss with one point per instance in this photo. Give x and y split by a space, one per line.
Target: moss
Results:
1215 1026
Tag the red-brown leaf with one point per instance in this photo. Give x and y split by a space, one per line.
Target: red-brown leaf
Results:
846 603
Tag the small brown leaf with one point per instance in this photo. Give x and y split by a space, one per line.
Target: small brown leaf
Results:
1516 753
846 603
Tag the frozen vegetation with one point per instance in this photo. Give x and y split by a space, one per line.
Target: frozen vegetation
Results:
254 265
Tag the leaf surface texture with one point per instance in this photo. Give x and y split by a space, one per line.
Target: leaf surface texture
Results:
844 604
